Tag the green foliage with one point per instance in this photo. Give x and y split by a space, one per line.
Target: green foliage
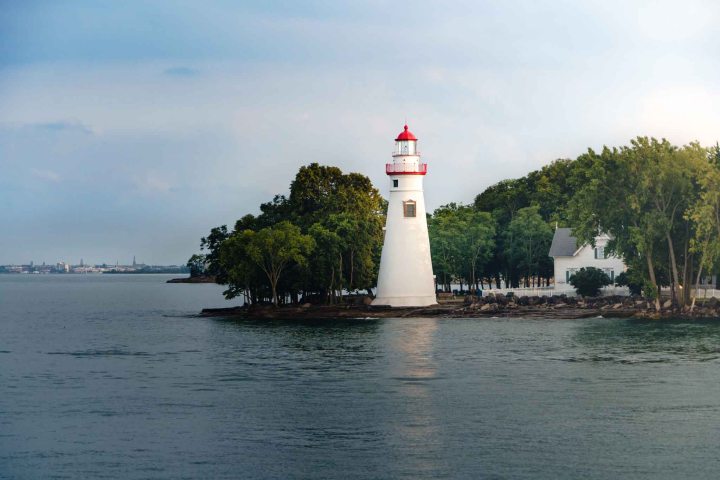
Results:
527 239
650 290
549 190
659 203
196 264
342 213
634 282
588 281
640 195
211 244
462 243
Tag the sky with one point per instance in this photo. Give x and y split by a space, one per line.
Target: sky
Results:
132 128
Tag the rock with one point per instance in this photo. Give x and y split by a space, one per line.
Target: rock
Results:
306 305
617 305
485 307
367 300
667 304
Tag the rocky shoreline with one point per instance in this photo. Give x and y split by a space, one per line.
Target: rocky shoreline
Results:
200 279
555 307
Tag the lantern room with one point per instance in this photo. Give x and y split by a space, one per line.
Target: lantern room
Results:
406 143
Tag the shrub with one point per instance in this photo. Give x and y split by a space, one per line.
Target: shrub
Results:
625 280
588 281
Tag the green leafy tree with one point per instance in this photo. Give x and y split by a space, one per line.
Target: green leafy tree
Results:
639 194
705 215
445 247
528 239
588 281
276 248
322 199
196 264
212 244
630 280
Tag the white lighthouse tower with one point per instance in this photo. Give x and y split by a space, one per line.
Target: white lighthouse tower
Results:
406 276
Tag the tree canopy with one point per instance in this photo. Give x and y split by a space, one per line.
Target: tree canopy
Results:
322 239
659 203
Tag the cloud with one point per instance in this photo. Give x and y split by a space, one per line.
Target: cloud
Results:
181 71
152 183
46 175
63 125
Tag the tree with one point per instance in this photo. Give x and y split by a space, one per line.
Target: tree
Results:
445 247
462 241
588 281
705 215
528 239
630 280
639 195
479 242
550 189
212 244
325 204
274 249
196 264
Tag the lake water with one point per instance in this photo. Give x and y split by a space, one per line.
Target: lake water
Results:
113 377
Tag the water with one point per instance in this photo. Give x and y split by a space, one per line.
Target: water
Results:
113 377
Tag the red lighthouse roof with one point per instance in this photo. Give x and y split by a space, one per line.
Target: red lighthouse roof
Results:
406 135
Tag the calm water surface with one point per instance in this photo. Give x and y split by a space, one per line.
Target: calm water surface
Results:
113 377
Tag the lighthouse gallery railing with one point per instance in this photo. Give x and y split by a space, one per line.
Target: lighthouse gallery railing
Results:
403 169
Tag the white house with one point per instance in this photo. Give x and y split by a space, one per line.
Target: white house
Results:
569 257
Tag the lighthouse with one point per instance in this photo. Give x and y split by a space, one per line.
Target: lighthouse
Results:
406 276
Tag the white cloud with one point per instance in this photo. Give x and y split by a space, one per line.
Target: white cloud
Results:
152 183
45 175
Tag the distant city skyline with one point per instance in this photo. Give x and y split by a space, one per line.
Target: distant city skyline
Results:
81 261
138 126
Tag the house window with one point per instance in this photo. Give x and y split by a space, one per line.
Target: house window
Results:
569 273
600 252
395 183
409 208
610 273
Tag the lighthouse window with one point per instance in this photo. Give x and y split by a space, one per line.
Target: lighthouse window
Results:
395 183
409 208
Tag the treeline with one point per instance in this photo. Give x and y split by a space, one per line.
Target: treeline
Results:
322 239
661 205
659 202
503 239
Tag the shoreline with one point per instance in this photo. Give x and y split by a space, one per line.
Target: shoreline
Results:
200 279
561 308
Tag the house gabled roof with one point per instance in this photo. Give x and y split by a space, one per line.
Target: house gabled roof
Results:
563 243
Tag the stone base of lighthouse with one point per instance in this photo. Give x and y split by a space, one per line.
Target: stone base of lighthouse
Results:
406 277
406 301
